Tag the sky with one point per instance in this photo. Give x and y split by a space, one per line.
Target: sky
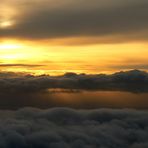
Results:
73 73
54 36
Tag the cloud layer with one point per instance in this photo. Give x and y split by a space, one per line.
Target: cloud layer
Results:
123 89
132 81
108 20
67 128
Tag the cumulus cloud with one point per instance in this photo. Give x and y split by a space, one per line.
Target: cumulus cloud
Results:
121 20
68 128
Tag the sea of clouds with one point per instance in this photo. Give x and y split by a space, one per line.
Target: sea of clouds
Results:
69 128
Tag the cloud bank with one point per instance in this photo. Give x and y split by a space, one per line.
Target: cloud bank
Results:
132 81
110 21
120 90
68 128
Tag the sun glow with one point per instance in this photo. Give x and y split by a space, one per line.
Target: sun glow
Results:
10 46
12 57
6 24
58 60
11 50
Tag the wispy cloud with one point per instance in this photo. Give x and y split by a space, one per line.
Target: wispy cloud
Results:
130 66
20 65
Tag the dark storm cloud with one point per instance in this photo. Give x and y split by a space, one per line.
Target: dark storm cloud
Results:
121 19
68 128
132 81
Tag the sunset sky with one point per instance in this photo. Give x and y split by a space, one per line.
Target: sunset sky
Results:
73 73
54 36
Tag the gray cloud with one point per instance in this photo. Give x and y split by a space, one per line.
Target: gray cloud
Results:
123 20
85 91
132 81
68 128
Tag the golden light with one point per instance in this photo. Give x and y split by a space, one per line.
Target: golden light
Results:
6 24
58 60
12 57
10 46
8 15
10 51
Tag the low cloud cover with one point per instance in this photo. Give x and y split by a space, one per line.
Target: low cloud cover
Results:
120 90
132 81
68 128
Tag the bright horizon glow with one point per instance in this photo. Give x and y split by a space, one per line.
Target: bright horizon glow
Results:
10 46
69 36
98 58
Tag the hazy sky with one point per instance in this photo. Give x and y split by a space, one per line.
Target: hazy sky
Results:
90 36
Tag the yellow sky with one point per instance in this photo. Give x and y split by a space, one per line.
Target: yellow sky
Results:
58 59
32 42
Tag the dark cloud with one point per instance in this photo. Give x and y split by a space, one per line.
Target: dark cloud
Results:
123 89
67 128
122 20
132 81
